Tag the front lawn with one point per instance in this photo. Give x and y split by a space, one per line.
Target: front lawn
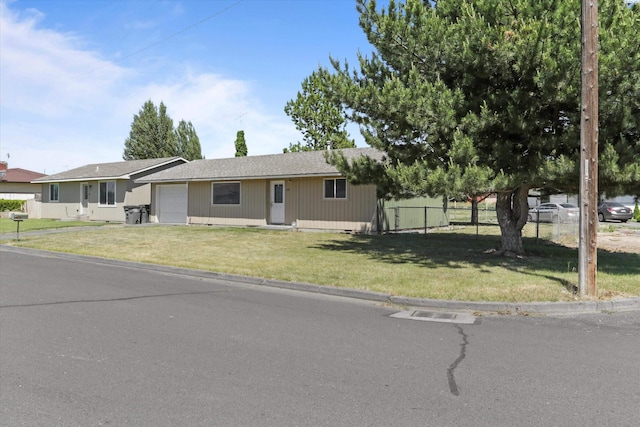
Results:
8 225
447 264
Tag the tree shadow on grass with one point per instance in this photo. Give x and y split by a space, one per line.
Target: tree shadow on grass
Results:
416 249
565 259
430 251
460 250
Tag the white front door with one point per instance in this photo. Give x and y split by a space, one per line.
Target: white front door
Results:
84 196
277 202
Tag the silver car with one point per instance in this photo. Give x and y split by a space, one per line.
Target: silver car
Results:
554 212
608 211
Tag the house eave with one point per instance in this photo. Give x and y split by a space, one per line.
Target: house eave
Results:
168 162
95 175
87 179
237 178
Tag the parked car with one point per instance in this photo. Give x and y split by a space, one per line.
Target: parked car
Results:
608 211
554 212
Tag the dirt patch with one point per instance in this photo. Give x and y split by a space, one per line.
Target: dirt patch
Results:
626 240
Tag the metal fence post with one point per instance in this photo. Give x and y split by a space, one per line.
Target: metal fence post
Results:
397 218
425 220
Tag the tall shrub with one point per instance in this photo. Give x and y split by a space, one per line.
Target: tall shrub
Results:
11 205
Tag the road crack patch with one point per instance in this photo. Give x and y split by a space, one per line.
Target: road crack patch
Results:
82 301
453 386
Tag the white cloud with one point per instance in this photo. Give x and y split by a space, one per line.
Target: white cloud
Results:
47 73
63 106
218 108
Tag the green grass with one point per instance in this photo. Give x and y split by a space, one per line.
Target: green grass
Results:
448 264
9 226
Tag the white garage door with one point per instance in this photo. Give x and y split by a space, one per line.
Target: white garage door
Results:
172 204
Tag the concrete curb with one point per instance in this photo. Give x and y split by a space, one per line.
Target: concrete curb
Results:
505 308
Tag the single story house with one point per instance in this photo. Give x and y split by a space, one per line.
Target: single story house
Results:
99 192
15 183
295 189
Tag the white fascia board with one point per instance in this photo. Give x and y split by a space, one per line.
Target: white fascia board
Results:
235 178
253 178
98 178
159 165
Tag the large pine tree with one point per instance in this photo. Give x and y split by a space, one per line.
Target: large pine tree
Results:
322 123
484 96
187 141
152 136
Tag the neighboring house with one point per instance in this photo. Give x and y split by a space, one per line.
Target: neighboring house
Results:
15 183
99 192
294 189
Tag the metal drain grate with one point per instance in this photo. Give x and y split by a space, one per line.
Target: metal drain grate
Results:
436 316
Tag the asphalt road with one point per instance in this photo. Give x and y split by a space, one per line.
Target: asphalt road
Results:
90 343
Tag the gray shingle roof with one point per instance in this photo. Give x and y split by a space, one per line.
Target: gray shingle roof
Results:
115 170
286 165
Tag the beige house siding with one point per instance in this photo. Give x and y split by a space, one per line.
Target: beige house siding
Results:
291 200
71 201
304 205
356 213
137 194
69 206
252 210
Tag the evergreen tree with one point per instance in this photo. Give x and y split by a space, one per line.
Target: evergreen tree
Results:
484 96
187 141
241 145
321 121
151 135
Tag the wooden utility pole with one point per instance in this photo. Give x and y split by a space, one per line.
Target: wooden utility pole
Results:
588 255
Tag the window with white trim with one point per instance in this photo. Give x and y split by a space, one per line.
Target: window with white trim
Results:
335 188
225 193
107 193
54 192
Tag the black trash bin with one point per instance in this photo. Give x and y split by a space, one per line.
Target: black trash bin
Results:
132 214
144 213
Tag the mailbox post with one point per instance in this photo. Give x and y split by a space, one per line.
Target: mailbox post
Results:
18 218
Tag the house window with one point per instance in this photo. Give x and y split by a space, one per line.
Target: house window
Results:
335 188
107 193
54 192
225 193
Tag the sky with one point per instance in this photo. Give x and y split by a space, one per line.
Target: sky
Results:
73 73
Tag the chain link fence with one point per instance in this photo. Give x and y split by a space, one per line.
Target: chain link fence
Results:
555 230
422 218
411 218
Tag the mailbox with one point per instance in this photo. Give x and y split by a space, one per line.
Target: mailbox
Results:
18 216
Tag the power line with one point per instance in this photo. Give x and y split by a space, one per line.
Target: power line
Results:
174 35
